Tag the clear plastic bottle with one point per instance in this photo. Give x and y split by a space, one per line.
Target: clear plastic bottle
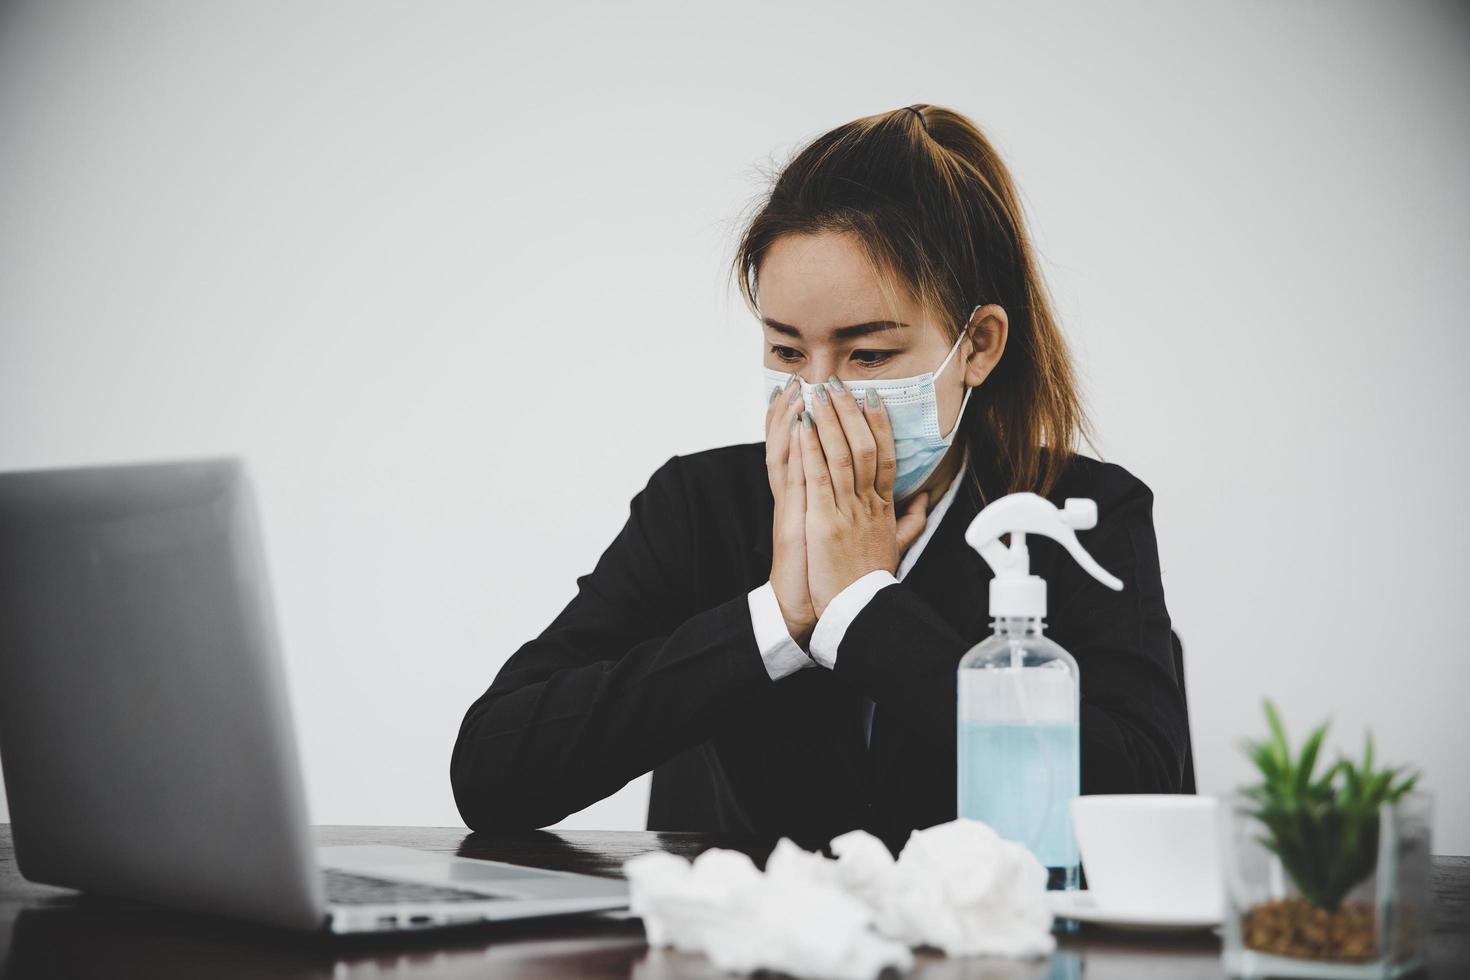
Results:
1020 693
1018 742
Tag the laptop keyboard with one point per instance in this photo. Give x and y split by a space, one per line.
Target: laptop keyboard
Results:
346 888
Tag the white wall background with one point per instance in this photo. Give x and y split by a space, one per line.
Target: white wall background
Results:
450 278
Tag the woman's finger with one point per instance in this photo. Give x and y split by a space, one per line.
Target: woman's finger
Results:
780 410
819 491
793 512
795 476
887 459
833 443
862 447
779 400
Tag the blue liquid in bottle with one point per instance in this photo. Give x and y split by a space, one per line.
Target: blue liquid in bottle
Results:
1019 763
1020 781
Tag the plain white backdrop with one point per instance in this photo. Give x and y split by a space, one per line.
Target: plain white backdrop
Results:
451 278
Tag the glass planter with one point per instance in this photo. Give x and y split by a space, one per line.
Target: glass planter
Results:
1381 927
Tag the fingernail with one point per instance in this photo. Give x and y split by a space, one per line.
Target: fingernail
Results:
806 420
795 396
872 398
836 382
822 392
772 396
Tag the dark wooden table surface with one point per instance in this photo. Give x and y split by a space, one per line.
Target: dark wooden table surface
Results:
55 932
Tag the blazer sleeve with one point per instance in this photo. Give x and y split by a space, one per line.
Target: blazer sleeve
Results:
624 678
901 653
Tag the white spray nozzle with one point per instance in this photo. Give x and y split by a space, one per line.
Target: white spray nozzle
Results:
1015 591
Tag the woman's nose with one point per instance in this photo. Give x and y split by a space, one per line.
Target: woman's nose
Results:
818 373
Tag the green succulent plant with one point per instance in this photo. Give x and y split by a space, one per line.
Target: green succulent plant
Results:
1325 831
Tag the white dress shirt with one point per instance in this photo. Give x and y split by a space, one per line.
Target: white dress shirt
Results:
783 655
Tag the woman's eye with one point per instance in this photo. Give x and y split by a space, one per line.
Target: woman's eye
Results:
867 358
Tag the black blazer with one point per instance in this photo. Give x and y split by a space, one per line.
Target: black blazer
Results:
655 659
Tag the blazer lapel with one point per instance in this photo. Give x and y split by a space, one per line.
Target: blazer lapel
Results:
954 580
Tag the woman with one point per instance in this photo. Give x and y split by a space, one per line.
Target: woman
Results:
778 625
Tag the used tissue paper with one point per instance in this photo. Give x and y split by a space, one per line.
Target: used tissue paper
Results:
957 886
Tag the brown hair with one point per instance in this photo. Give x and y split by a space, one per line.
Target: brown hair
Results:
933 207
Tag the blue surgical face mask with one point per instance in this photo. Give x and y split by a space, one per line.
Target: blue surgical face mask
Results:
913 412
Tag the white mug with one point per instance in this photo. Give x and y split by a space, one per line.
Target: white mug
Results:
1150 854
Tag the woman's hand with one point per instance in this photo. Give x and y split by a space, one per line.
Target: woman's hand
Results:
848 465
788 527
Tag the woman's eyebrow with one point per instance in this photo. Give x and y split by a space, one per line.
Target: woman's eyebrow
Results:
841 333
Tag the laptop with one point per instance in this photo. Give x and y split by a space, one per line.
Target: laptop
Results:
145 732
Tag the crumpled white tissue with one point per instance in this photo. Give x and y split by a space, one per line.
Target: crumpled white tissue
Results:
957 886
724 907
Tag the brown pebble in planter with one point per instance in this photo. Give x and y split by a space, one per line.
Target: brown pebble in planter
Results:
1297 928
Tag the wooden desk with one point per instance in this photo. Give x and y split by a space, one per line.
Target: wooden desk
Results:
54 932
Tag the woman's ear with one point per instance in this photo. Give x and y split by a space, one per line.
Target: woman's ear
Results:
987 329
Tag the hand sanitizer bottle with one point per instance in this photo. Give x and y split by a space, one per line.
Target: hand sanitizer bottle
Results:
1019 696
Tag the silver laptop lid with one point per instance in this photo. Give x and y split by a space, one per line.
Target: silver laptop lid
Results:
145 732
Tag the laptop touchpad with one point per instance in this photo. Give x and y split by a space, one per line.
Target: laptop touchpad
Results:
472 873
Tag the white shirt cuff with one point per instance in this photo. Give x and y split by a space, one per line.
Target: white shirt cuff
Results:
841 611
782 654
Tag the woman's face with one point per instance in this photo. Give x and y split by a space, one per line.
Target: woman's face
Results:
823 313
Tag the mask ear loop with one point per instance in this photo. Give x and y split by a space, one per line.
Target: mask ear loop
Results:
949 439
956 346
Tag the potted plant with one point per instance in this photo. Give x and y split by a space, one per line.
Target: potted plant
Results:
1326 875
